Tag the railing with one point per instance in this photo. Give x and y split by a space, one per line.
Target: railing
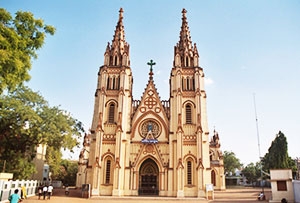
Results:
8 187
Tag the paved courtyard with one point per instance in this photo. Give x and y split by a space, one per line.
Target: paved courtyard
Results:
230 195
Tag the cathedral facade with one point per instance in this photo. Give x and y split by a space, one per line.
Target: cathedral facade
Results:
150 146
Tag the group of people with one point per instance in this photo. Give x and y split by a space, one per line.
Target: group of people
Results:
15 197
42 190
45 191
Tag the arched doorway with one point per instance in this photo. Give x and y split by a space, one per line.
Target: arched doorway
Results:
213 177
148 180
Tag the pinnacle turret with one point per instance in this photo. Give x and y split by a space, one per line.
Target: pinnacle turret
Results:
185 42
185 54
117 53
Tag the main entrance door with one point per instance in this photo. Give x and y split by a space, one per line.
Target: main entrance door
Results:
148 180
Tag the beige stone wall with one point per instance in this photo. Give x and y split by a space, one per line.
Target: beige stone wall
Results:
151 139
281 175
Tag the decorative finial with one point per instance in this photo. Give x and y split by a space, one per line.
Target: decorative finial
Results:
121 13
184 12
151 63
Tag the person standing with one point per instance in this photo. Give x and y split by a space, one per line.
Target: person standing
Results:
23 192
40 191
15 198
50 189
45 189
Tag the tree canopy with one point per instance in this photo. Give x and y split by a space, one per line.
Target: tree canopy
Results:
26 120
252 172
68 172
20 38
231 162
277 156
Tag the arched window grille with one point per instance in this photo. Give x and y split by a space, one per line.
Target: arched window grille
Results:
189 172
111 113
107 172
188 114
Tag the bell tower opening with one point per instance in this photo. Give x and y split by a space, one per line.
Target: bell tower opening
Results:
148 179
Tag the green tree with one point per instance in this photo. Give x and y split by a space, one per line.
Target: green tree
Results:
69 171
54 158
26 120
277 156
20 38
252 172
231 162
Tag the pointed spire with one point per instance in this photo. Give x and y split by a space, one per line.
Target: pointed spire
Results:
118 52
119 37
185 41
185 54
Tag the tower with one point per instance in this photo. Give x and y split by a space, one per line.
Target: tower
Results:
188 106
112 110
150 146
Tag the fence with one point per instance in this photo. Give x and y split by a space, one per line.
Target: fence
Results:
8 187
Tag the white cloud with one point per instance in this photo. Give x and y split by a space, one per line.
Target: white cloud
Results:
208 81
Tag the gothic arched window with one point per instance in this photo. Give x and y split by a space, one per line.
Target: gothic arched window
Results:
111 113
188 84
183 83
107 172
114 83
115 60
108 83
188 114
189 172
187 61
117 83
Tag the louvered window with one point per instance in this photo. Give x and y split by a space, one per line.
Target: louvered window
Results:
107 174
111 114
188 114
189 172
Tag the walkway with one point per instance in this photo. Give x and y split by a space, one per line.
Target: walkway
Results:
248 195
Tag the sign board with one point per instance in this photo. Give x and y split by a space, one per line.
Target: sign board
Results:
209 187
149 141
209 191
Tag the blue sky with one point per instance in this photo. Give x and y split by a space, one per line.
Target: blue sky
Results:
246 47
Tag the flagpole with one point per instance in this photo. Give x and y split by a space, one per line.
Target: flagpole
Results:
258 141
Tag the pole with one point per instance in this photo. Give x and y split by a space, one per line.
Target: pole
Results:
4 165
258 141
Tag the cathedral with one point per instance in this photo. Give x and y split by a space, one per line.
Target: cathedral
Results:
150 146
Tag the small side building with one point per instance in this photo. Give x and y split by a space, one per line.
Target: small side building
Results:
281 184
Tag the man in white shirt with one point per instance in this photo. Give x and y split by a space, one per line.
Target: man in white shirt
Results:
45 189
50 189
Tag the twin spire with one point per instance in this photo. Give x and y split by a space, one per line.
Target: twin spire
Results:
118 41
185 54
117 53
185 41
